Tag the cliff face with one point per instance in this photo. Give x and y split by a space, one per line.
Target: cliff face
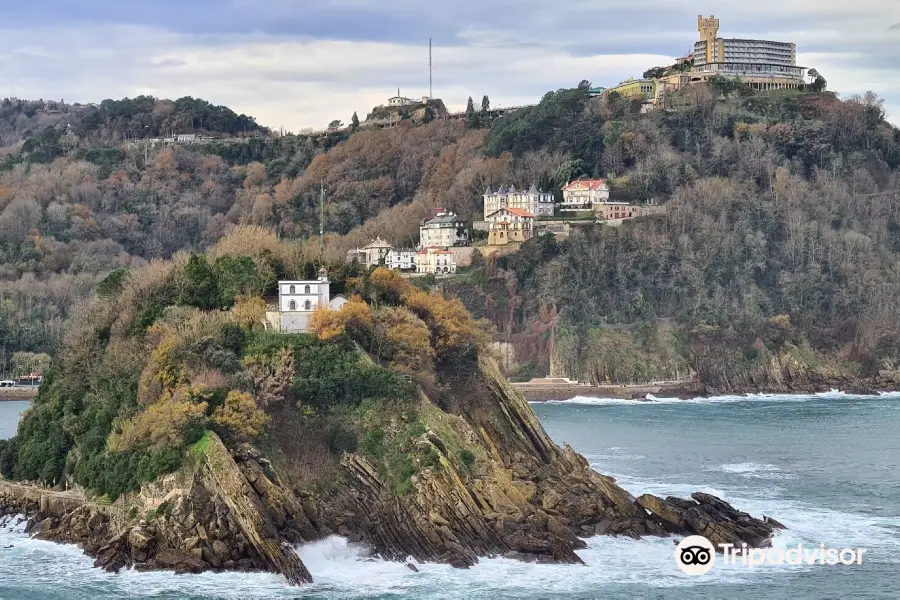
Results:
519 496
727 363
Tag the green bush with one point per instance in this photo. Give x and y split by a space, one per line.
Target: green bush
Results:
200 287
114 473
372 443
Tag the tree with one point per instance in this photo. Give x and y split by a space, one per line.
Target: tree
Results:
354 122
819 83
470 109
201 288
725 85
485 105
336 124
655 72
24 363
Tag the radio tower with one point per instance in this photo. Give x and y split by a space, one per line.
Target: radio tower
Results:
430 90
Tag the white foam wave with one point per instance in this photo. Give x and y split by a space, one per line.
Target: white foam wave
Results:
753 470
653 400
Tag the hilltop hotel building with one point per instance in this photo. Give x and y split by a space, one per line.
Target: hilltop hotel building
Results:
760 64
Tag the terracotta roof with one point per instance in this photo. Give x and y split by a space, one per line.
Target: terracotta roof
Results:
519 212
580 184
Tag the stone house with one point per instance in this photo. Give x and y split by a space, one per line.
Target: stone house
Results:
509 225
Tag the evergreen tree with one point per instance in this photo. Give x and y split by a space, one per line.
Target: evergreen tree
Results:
485 104
354 122
471 117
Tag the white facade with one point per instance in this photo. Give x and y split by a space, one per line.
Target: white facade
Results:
443 231
302 296
584 193
404 260
297 300
540 204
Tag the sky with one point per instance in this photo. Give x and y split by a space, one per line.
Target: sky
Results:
302 63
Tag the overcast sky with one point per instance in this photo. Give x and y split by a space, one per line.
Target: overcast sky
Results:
302 63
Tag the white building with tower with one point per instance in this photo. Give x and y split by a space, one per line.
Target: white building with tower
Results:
297 300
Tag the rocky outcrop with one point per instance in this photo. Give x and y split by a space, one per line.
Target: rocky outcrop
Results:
520 496
530 499
233 517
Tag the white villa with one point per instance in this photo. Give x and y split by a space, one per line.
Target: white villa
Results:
401 259
443 230
583 194
540 204
296 302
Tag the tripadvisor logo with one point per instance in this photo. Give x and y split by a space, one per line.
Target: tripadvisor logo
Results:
696 555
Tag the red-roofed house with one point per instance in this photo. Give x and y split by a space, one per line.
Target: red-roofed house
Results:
510 225
435 260
583 194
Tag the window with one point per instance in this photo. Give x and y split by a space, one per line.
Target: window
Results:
292 305
307 305
306 290
292 290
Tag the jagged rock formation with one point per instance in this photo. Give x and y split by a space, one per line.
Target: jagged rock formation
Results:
525 497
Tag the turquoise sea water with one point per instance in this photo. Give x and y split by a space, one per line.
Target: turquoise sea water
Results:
827 466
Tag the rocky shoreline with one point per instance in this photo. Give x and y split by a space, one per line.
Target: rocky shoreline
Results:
525 498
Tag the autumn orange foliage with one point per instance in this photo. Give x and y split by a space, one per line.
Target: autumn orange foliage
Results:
239 419
163 424
354 319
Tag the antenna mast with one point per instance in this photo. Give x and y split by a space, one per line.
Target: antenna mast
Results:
322 218
430 89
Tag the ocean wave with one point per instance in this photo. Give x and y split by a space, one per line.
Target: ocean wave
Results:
753 470
652 400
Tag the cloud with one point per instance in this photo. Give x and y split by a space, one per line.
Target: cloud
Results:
894 27
302 66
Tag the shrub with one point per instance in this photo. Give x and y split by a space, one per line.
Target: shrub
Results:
353 319
233 337
372 443
200 287
455 334
404 339
174 421
239 419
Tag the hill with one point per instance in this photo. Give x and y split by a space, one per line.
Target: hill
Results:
390 425
779 206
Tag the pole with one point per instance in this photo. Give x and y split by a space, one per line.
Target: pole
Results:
322 219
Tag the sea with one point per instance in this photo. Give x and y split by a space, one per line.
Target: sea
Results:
825 465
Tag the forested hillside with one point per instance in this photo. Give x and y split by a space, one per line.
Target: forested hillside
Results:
782 205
